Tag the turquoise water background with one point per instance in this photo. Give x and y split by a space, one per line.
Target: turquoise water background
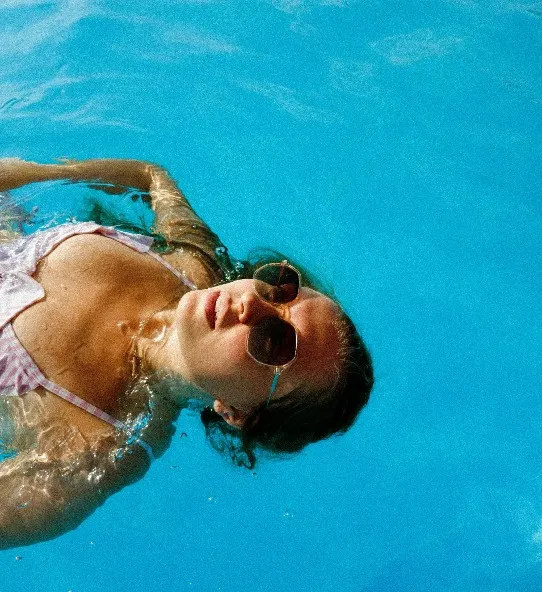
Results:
392 147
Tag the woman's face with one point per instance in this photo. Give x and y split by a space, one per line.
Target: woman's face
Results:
212 327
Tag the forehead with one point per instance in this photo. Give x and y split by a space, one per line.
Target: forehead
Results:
315 317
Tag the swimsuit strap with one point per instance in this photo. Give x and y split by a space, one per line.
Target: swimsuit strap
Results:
81 403
145 445
37 377
174 271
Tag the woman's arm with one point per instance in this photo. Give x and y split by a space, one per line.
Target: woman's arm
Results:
174 217
42 499
36 504
15 172
172 210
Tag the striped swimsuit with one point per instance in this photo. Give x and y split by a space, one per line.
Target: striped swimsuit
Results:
19 373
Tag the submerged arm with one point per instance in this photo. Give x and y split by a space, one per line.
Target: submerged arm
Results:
175 219
42 499
15 172
174 215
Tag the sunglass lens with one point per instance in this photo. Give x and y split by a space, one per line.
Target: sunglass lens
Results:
272 341
277 283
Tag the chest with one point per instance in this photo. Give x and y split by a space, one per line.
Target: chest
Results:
97 292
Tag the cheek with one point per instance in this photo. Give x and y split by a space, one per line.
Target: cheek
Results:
220 359
233 354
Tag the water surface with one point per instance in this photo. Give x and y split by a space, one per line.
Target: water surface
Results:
392 147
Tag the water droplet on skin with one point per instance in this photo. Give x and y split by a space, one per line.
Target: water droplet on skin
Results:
159 335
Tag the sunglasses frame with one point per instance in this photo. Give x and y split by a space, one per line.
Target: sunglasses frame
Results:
282 306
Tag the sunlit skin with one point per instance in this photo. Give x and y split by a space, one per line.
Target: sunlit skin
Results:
215 359
112 314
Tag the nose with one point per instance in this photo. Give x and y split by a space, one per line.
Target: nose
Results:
253 309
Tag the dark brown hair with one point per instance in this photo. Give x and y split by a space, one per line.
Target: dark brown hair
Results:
305 415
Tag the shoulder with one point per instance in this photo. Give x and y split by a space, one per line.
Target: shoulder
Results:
90 250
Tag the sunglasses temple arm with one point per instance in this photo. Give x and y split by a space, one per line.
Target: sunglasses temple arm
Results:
273 385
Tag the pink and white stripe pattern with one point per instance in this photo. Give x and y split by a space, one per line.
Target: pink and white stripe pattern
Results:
20 374
18 290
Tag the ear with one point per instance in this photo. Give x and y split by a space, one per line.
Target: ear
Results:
231 415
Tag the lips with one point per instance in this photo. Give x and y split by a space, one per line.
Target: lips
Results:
210 307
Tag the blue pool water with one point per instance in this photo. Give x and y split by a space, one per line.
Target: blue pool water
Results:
392 147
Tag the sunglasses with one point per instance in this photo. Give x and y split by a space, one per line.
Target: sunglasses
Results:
273 341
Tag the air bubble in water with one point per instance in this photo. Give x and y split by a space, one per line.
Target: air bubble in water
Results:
287 515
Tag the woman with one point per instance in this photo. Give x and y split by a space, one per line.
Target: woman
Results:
102 341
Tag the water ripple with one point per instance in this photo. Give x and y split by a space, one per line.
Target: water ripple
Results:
46 101
286 98
402 50
53 28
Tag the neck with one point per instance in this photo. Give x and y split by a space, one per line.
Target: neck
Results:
156 349
152 342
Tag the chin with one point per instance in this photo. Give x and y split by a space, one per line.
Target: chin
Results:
186 304
184 312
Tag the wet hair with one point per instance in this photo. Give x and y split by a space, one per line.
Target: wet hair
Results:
306 414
